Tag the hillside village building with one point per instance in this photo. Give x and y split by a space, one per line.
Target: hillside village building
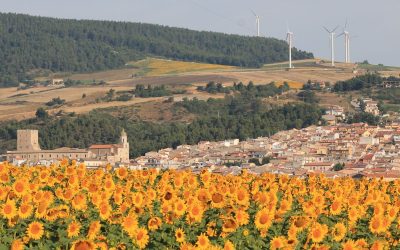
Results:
29 151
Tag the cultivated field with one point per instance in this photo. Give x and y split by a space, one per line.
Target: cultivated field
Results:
22 104
157 67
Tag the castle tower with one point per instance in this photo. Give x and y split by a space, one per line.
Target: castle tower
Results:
28 140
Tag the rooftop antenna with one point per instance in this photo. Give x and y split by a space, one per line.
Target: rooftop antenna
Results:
332 34
346 35
289 39
257 22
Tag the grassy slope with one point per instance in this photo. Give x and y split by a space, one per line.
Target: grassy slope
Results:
158 67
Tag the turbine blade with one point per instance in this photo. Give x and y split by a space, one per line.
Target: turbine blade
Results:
254 13
340 35
326 29
335 28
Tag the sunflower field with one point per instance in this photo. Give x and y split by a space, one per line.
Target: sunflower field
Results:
69 207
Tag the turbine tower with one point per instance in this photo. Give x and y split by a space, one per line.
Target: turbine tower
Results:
332 35
257 23
346 35
289 39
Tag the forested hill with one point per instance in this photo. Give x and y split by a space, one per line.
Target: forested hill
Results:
28 42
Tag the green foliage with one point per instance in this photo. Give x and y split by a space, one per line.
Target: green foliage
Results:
214 88
110 95
41 113
55 101
256 161
359 82
308 96
265 160
390 94
338 166
124 98
157 91
363 117
28 42
260 162
264 90
250 90
70 83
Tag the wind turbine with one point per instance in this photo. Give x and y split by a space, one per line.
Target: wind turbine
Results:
332 33
289 39
346 35
257 23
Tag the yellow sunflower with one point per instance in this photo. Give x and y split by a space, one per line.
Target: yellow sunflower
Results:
277 243
196 212
104 210
130 224
339 231
376 225
35 230
180 235
242 217
154 223
73 229
180 208
94 229
141 238
17 244
217 200
264 219
83 245
203 242
9 210
336 207
21 187
229 245
25 210
318 232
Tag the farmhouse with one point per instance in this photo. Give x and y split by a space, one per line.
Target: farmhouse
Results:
28 151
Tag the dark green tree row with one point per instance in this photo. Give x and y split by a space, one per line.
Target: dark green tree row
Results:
264 90
150 91
28 42
308 96
358 83
232 117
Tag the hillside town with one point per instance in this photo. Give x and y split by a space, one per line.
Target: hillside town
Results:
355 150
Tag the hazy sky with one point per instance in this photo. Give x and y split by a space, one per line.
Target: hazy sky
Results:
374 23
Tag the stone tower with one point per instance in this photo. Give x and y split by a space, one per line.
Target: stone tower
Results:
124 152
28 140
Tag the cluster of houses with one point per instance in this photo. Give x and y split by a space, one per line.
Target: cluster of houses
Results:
334 114
355 150
370 106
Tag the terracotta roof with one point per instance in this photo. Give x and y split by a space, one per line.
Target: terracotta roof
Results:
368 157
